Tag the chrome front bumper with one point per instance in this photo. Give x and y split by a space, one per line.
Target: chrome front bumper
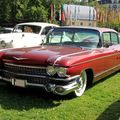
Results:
56 89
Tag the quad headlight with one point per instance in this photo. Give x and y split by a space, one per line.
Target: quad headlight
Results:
61 71
51 70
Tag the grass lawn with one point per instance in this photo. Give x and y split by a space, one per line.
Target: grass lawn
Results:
100 102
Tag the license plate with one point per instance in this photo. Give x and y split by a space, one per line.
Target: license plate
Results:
19 82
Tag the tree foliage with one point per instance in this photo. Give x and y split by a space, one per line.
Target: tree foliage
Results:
27 10
24 10
5 10
33 10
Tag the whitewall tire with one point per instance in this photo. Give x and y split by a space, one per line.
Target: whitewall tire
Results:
82 83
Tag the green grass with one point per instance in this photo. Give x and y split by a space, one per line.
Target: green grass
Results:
100 102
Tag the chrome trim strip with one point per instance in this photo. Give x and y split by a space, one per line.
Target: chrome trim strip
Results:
82 52
5 79
15 65
103 72
94 59
39 76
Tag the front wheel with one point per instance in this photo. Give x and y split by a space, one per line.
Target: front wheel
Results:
82 83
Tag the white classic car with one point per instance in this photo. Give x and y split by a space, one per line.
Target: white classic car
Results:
25 35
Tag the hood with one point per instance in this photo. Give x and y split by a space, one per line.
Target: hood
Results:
44 55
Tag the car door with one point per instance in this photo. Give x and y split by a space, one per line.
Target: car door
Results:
116 46
110 41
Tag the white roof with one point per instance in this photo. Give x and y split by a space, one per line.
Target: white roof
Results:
101 29
38 24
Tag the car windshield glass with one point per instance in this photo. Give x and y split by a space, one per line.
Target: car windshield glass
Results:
27 28
79 37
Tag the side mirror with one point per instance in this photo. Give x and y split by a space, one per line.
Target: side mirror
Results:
106 44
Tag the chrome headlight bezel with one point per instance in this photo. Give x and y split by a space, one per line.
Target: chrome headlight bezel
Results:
51 70
61 71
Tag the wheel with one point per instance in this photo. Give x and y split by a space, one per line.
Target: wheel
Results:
82 81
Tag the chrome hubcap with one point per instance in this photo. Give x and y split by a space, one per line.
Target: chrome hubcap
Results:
81 84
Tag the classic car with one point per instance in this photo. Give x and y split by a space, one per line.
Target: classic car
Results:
70 59
25 35
5 30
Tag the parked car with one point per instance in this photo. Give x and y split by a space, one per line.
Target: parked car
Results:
25 35
71 59
5 30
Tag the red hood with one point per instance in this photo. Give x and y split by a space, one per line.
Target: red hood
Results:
43 55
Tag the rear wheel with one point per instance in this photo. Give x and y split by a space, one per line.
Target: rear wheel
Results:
82 83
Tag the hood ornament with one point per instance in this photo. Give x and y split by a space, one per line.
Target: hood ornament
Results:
20 58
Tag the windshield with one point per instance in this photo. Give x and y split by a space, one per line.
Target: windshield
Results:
27 28
79 37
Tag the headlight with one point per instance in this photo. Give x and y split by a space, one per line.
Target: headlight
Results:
61 72
3 44
51 70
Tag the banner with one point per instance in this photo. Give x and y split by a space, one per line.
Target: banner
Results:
78 12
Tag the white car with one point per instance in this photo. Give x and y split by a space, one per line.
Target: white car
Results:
5 30
25 35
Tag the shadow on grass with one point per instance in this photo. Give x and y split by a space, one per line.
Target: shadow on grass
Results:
111 113
104 79
25 99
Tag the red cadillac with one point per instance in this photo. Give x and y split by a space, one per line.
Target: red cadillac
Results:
70 59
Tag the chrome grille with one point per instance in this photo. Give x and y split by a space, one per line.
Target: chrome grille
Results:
20 69
38 80
30 79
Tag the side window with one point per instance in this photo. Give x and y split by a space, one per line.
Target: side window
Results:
114 38
106 37
46 30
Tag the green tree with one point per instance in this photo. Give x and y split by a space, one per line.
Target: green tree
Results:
31 10
5 10
27 10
